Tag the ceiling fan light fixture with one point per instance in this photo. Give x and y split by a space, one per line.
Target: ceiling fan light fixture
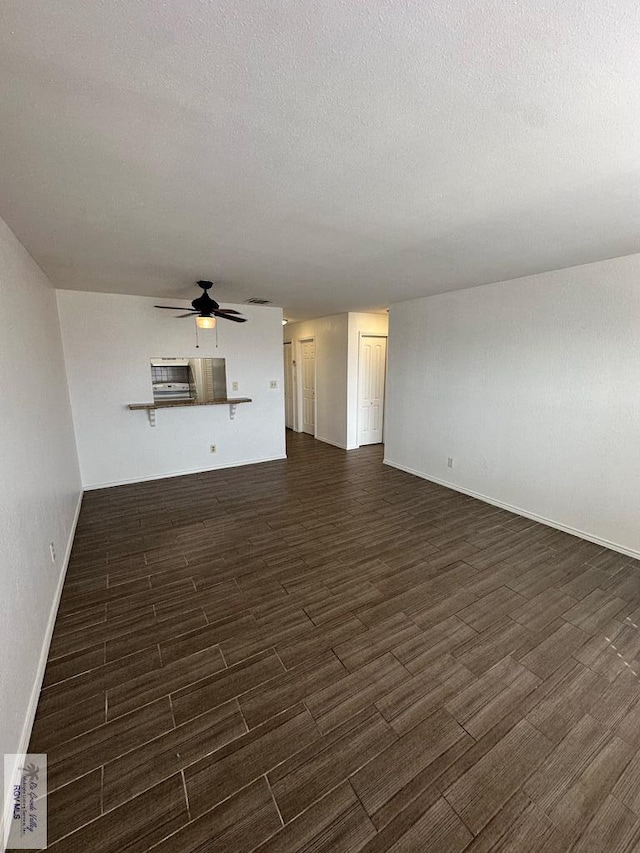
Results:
206 322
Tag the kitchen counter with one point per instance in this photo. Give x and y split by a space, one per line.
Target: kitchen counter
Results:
170 404
151 408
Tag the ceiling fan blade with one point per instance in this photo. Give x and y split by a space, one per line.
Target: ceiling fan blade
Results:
189 314
230 317
172 308
227 311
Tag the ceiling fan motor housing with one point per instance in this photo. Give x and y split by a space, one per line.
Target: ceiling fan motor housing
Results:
205 304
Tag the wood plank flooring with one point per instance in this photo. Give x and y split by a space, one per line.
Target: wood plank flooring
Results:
324 654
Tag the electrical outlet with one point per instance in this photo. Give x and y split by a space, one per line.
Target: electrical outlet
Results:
234 386
212 448
273 385
52 551
450 462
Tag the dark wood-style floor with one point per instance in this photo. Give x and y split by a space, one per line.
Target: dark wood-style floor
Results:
324 654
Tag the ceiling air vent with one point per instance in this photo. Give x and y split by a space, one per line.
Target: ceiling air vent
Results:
255 300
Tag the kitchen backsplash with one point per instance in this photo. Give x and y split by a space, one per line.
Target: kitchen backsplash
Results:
171 373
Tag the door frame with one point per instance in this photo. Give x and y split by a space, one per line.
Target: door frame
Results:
297 375
386 362
294 407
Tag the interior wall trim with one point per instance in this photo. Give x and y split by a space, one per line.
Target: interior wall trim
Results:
332 443
629 552
90 486
42 665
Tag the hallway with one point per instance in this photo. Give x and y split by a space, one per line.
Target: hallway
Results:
326 654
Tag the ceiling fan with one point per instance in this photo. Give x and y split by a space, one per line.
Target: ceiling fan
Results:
207 309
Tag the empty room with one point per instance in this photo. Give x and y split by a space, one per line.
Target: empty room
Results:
320 480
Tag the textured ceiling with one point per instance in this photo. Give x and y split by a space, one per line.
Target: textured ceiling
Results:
325 155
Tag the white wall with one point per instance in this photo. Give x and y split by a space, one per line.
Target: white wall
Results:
40 484
331 337
533 387
359 324
109 340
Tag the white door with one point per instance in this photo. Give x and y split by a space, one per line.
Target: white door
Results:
288 385
371 376
308 375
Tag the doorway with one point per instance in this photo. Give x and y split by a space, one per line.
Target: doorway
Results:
372 362
289 401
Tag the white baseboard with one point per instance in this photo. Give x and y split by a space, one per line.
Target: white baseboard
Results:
336 443
32 707
332 443
629 552
91 486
